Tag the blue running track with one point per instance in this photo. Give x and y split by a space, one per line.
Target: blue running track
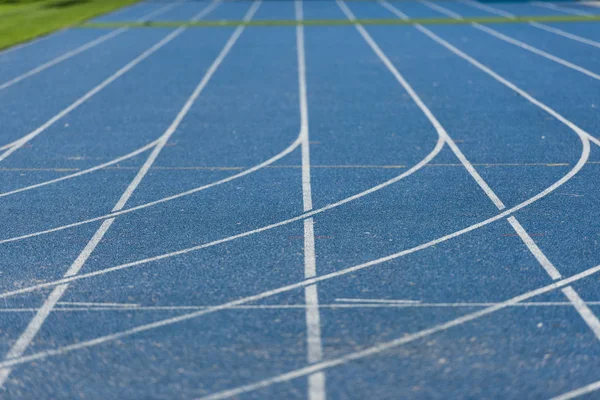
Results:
328 211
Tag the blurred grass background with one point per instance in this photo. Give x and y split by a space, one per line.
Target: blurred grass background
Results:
23 20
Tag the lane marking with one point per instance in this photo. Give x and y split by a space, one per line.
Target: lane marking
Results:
96 304
515 42
592 387
534 249
566 34
537 51
79 173
316 382
533 22
355 300
560 8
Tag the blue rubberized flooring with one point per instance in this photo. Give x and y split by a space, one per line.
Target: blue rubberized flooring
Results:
303 212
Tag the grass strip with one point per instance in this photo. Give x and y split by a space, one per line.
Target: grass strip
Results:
26 20
335 22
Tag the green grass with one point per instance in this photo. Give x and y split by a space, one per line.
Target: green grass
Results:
22 20
334 22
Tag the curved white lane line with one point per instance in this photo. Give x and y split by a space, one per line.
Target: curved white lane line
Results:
248 171
439 145
85 171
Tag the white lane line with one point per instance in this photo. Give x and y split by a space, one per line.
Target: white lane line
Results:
383 347
587 389
96 304
534 249
585 136
76 51
568 35
316 382
354 300
33 41
588 317
515 42
62 58
556 7
487 8
36 323
593 3
23 140
545 27
584 311
82 172
442 10
537 51
415 97
318 366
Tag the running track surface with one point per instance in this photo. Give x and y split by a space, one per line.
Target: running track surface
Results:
340 212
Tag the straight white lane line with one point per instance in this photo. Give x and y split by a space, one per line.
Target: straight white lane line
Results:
23 140
568 35
515 42
537 51
442 10
316 382
534 249
36 323
78 50
556 7
30 42
487 8
62 58
592 387
538 25
584 311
